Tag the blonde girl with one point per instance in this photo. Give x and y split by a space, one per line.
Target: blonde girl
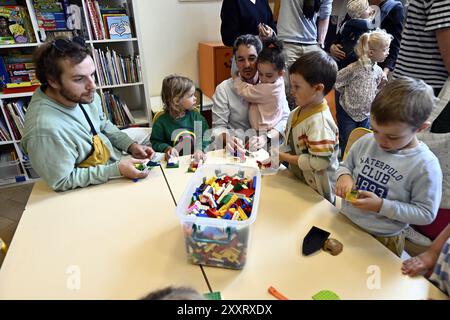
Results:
359 82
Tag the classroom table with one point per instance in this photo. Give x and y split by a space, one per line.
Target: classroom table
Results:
287 210
118 240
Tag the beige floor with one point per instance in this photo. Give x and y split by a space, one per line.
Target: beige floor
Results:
12 204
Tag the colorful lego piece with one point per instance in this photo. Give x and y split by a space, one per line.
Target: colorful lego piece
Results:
172 163
326 295
213 295
352 195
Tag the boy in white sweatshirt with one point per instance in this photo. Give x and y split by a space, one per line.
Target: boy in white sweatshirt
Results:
399 179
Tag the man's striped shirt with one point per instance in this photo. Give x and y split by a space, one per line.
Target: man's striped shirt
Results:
419 55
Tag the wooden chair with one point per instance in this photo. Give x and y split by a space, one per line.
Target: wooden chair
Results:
353 137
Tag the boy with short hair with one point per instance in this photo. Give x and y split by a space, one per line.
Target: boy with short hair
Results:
311 133
399 179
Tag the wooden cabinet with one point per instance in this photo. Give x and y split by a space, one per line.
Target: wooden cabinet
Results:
214 64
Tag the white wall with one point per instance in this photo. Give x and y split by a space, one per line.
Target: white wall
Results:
171 31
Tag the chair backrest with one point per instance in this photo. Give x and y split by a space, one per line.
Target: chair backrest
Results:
199 96
353 137
157 115
3 246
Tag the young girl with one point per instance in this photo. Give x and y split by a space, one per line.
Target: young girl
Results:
173 132
267 97
359 82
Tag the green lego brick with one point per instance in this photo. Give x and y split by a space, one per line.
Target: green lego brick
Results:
326 295
213 295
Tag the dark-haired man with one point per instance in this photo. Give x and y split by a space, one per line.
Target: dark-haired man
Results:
67 137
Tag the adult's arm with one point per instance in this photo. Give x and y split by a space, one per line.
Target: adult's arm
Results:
324 20
220 111
396 17
55 163
443 39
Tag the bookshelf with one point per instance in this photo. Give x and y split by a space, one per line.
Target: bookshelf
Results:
125 86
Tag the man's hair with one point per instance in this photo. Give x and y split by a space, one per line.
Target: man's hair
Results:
247 40
48 57
174 293
316 67
405 100
174 86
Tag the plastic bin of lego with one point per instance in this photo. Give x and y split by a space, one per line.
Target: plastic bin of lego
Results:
216 210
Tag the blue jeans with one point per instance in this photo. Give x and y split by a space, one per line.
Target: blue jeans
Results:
346 124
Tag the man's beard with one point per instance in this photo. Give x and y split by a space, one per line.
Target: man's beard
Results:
66 94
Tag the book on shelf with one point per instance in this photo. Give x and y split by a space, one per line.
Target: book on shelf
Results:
15 25
116 110
17 71
118 26
115 69
15 112
4 133
50 15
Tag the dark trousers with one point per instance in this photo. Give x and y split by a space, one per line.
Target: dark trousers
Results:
346 124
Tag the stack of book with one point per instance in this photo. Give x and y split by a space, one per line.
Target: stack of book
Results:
17 73
108 22
116 110
15 25
50 15
59 18
115 69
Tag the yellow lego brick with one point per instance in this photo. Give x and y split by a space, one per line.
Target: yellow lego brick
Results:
351 196
242 214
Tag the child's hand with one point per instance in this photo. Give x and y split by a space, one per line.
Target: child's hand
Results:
344 184
170 152
199 156
368 201
235 145
257 142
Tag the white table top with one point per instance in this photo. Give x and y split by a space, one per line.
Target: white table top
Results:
287 211
122 238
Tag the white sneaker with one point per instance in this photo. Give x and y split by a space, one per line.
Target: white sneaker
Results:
416 237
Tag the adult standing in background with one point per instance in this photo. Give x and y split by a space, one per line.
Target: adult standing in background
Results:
303 26
425 54
392 16
425 46
245 17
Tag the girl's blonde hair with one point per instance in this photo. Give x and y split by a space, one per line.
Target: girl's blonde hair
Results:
371 40
175 87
